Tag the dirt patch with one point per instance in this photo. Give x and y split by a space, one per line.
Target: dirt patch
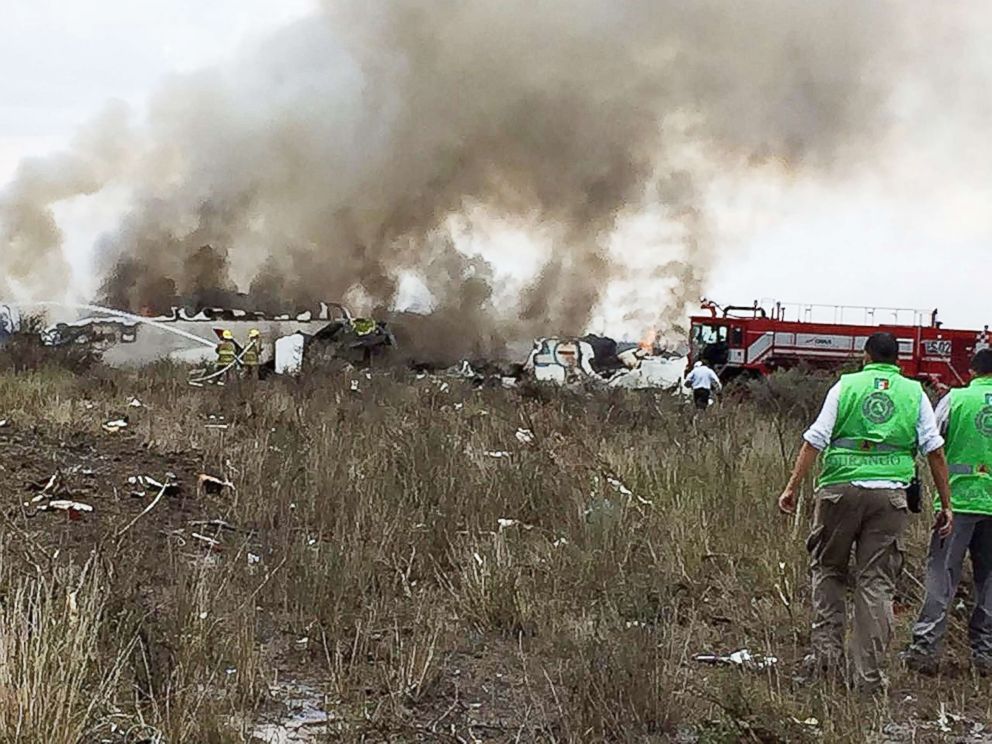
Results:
94 471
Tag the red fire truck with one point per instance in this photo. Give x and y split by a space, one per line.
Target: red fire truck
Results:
750 340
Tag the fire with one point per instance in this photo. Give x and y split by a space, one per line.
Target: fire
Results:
647 342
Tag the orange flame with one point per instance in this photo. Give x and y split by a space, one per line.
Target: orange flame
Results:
647 342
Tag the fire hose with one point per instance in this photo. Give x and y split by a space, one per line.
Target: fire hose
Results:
220 372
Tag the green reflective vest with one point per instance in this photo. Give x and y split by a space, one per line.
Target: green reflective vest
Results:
874 437
969 447
250 356
227 353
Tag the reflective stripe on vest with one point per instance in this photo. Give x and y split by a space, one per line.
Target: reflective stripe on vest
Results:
227 353
863 445
959 468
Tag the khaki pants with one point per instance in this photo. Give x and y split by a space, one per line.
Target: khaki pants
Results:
870 521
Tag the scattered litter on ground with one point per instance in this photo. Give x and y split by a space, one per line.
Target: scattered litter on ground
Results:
73 507
209 541
143 483
115 426
496 454
505 524
216 422
135 403
525 436
218 524
946 721
354 386
210 484
620 488
4 423
743 659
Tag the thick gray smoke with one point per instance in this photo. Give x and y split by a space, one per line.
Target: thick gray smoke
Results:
329 163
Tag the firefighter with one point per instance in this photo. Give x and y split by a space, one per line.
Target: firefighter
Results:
965 417
871 426
251 356
227 356
704 383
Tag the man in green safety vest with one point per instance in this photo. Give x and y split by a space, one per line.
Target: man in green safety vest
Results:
872 424
965 417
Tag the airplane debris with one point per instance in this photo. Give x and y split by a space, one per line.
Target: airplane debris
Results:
525 436
170 487
116 426
742 658
597 359
66 505
135 403
212 543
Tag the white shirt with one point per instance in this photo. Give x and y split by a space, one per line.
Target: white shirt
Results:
821 433
943 413
703 378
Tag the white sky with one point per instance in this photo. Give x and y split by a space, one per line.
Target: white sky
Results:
916 233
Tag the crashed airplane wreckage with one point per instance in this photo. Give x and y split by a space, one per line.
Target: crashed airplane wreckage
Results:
601 360
127 340
330 332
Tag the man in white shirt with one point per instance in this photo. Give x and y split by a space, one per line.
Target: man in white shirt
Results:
702 380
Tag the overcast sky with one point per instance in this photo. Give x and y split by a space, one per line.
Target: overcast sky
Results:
914 231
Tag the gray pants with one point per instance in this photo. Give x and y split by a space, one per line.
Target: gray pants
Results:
869 521
972 534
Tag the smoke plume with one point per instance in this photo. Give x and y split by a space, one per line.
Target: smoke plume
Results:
328 163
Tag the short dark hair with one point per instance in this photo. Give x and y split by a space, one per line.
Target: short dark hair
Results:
981 363
882 347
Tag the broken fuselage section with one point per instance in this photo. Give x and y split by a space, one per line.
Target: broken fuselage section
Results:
601 360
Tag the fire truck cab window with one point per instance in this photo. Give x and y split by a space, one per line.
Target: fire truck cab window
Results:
736 336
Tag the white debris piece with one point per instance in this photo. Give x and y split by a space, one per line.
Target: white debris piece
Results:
496 454
254 559
620 487
115 426
506 523
289 354
4 423
66 505
525 436
743 659
354 386
135 403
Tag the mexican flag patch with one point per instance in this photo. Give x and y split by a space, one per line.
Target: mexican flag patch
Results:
881 383
988 399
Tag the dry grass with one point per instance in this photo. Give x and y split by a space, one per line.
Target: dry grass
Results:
428 590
